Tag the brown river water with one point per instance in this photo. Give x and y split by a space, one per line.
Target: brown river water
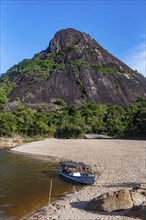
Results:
25 182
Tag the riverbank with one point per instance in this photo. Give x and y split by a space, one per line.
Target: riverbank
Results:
10 142
7 142
120 162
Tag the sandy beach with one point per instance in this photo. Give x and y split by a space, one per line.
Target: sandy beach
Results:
121 163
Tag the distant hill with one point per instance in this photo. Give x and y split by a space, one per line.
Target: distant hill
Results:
74 69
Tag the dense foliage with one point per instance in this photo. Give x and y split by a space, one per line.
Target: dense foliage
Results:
70 122
35 65
5 88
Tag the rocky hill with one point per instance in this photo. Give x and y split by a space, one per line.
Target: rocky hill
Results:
74 69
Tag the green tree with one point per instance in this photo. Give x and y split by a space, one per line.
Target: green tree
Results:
25 120
8 125
94 115
116 121
137 118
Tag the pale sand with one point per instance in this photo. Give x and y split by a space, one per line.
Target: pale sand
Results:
123 163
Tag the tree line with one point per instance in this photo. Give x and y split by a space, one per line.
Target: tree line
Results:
70 122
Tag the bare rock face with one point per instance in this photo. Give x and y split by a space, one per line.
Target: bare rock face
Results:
69 37
77 69
111 201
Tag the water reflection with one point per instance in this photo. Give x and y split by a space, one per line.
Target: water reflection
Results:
24 184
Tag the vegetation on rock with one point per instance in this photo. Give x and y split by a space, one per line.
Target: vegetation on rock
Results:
74 68
5 89
105 70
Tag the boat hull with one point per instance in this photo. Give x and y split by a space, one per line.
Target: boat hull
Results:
87 180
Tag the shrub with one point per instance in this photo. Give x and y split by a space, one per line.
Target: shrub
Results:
105 70
60 102
78 62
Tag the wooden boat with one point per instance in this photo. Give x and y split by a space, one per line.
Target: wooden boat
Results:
77 172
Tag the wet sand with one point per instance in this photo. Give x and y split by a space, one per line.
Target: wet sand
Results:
121 164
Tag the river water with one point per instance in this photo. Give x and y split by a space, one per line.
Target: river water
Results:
25 182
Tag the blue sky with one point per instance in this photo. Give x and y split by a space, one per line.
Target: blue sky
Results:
28 26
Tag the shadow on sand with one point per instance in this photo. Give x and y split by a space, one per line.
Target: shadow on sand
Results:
136 212
125 185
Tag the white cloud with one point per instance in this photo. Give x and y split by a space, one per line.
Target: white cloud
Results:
136 58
